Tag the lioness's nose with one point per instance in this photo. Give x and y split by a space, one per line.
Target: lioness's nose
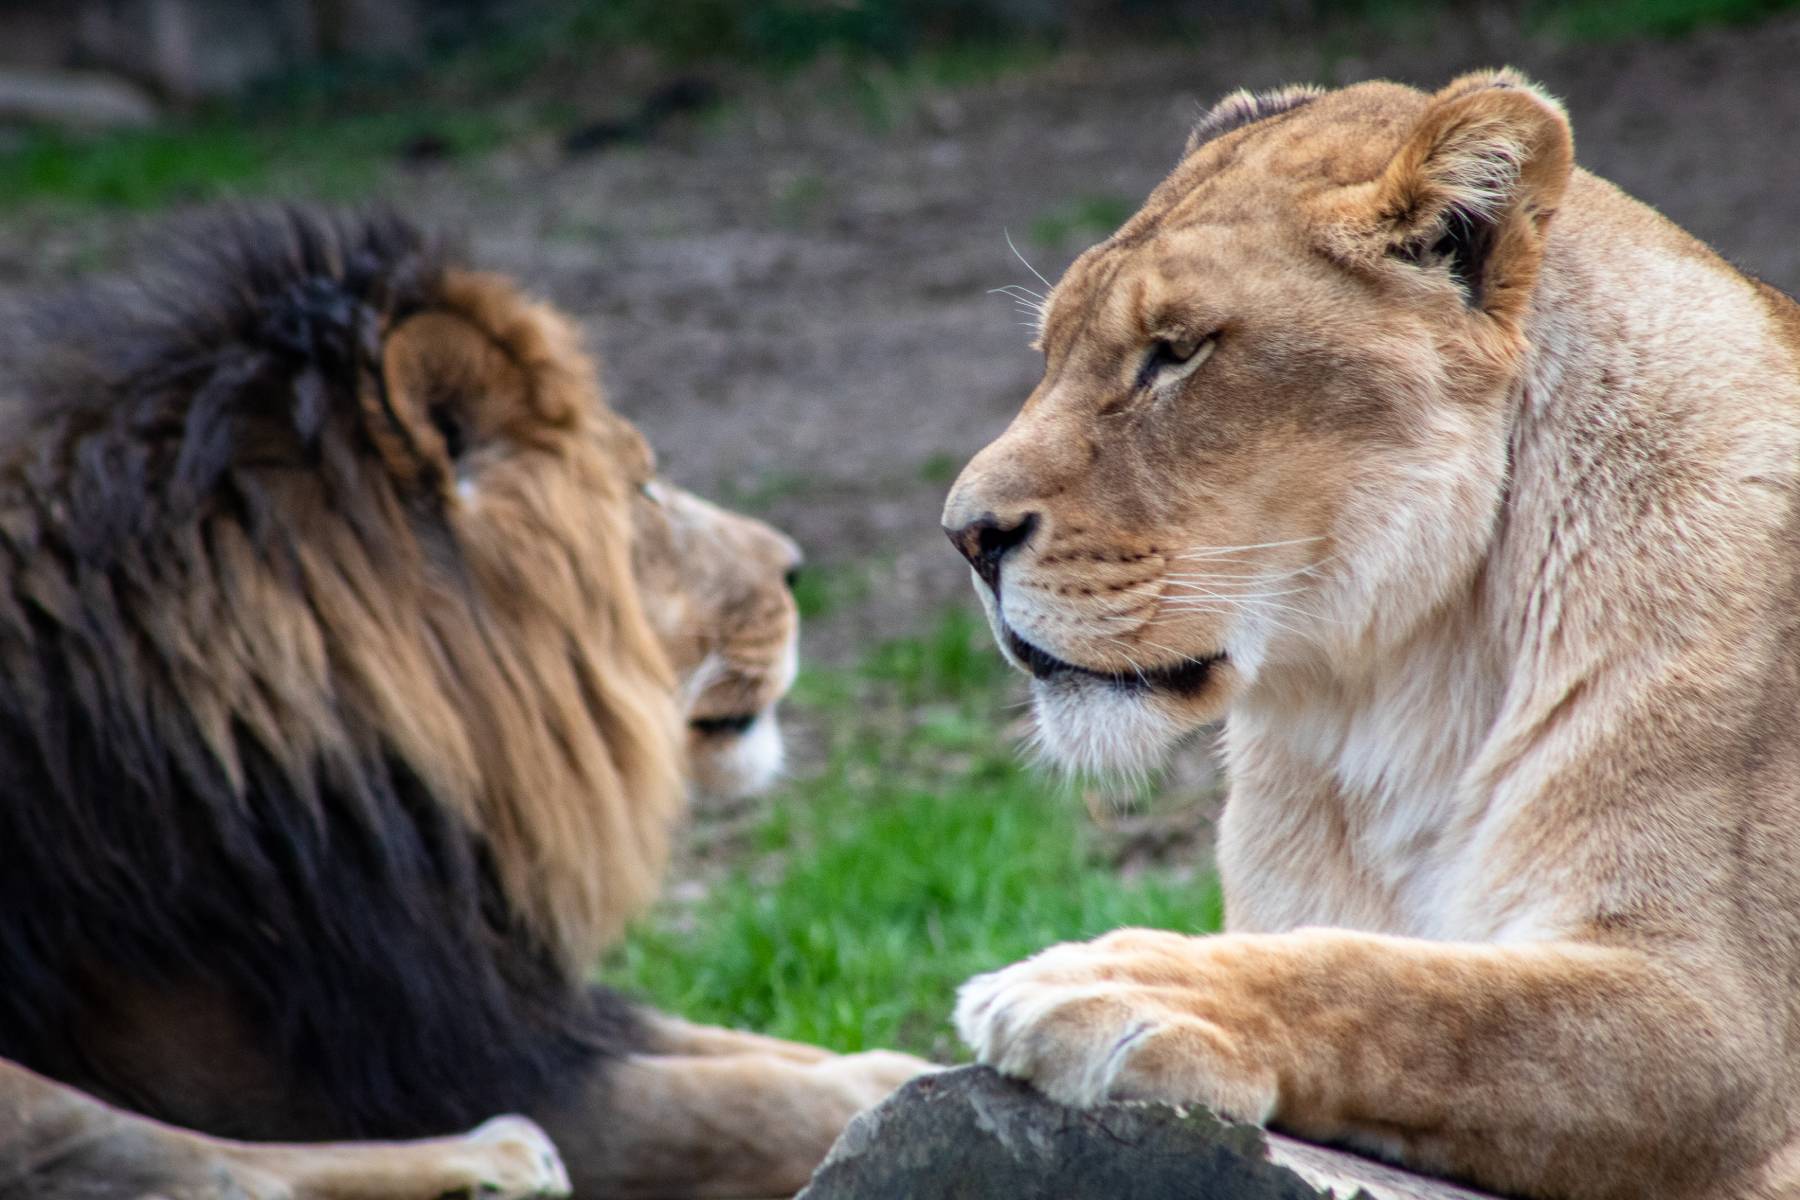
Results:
988 539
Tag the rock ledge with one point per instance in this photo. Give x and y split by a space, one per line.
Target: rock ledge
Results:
970 1134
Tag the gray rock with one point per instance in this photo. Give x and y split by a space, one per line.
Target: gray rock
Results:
74 98
970 1134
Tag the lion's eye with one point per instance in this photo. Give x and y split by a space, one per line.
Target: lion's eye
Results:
1170 359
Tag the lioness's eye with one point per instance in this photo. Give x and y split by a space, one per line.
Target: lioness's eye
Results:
1176 350
1169 359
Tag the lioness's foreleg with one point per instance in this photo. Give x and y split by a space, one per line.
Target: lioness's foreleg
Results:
1598 1070
57 1141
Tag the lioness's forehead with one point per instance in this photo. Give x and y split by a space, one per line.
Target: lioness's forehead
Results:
1333 140
1235 198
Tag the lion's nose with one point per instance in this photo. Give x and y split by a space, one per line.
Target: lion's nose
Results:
988 539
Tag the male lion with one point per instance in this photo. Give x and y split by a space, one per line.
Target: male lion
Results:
1465 485
337 739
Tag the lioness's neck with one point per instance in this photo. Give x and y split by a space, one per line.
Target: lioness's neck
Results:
1654 436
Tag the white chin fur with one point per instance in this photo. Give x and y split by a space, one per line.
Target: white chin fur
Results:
745 764
1090 726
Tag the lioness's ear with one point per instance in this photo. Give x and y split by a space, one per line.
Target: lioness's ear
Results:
1474 186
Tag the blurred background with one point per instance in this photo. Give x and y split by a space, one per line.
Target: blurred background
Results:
780 222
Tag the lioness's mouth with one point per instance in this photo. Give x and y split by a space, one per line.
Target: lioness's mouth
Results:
1183 678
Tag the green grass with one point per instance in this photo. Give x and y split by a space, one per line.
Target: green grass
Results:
921 853
224 154
1086 217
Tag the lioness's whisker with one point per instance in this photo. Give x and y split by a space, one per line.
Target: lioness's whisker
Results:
1181 659
1260 576
1211 551
1007 234
1124 653
1202 588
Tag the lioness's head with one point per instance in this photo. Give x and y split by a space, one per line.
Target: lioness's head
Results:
1271 432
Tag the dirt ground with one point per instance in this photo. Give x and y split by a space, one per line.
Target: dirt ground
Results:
791 296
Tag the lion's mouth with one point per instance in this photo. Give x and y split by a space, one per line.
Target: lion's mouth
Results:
1183 678
723 726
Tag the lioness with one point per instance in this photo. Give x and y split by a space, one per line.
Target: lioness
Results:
1464 485
353 659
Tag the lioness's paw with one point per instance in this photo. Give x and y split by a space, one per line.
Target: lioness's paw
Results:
1131 1016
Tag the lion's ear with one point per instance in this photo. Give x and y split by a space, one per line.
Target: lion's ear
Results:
1474 186
444 379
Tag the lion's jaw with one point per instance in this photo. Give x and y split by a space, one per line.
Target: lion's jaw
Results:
1270 440
715 585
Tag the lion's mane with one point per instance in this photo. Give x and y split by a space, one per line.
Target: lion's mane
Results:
280 720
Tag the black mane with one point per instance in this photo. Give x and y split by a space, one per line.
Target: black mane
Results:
351 923
252 319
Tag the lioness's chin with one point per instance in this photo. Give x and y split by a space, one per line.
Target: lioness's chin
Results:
1093 726
1093 723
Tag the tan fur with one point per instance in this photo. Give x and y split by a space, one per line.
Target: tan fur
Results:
1480 510
515 735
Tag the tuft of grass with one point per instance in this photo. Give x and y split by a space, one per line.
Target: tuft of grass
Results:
225 154
767 489
822 590
941 467
921 853
889 91
799 199
788 33
1087 217
134 169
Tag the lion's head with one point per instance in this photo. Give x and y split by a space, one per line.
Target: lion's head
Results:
717 587
349 632
1271 431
